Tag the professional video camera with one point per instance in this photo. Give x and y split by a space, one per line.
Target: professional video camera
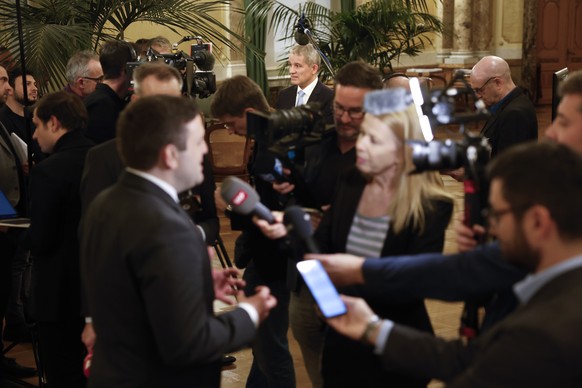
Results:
281 138
196 69
472 153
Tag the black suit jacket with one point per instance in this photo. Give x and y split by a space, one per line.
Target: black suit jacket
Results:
332 238
514 122
55 211
146 273
321 93
104 166
536 346
104 107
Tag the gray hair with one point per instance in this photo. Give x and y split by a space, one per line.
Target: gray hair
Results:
308 52
78 65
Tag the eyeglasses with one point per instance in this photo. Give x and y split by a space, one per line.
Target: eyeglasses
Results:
96 79
493 216
479 90
353 113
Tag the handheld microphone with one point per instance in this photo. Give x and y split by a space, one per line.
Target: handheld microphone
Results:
300 222
243 199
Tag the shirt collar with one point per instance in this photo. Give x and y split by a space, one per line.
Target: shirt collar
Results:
528 287
168 188
308 89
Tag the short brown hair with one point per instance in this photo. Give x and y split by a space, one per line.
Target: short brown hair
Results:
159 70
572 85
235 95
547 174
68 108
359 74
149 124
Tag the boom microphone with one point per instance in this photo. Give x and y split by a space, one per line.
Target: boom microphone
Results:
300 222
243 199
303 29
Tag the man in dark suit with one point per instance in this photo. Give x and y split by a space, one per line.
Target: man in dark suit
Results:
534 211
304 63
55 211
103 165
513 116
146 270
108 98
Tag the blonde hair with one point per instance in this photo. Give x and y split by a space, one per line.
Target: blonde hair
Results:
413 191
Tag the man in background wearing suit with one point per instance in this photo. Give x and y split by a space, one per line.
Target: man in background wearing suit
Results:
55 211
534 211
146 270
304 63
513 116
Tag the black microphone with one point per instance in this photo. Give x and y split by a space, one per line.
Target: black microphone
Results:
303 28
300 222
243 199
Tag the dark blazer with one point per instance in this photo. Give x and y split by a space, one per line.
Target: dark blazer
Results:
55 211
321 93
104 166
146 273
361 367
514 122
458 277
11 175
536 346
104 107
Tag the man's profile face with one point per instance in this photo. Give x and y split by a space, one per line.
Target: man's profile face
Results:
235 124
43 134
31 90
189 172
348 99
5 88
508 229
94 74
301 73
567 126
485 87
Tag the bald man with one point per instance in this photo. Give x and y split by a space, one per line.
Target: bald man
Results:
513 117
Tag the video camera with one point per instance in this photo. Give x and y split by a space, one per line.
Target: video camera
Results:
281 138
196 69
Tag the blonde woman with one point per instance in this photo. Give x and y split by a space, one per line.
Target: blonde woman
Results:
381 210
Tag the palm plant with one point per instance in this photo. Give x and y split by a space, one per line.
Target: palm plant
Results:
378 32
54 29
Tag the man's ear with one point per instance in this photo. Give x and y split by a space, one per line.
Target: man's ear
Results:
538 224
315 68
54 124
169 156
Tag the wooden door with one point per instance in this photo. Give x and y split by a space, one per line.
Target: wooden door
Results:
559 41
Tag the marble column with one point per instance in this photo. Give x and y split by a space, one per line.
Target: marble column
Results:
529 54
481 28
462 52
444 42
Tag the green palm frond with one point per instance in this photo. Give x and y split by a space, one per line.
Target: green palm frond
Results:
378 32
55 29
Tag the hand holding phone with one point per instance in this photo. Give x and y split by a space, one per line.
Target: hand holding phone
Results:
322 289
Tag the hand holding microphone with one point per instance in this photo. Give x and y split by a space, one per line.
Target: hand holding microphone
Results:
243 199
298 221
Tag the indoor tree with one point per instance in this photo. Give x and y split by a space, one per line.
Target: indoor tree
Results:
378 32
54 29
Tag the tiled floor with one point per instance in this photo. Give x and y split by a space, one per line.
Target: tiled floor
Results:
445 316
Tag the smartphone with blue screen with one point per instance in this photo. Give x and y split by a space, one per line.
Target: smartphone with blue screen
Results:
322 289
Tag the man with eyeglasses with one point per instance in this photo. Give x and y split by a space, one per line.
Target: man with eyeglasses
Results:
474 272
324 164
83 73
513 117
535 202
